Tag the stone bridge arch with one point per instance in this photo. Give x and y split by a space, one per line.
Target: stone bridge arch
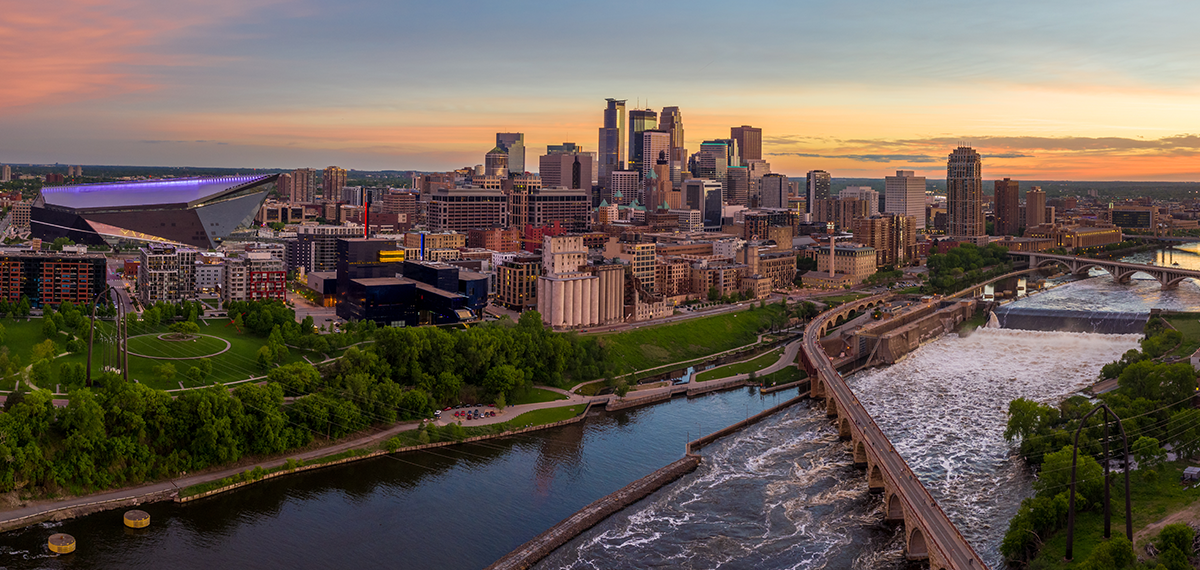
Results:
844 428
916 547
875 483
1170 282
893 509
860 454
831 409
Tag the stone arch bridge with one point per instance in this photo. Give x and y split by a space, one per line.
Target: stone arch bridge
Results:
1168 277
928 533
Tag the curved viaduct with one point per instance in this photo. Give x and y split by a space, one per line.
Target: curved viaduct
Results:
928 533
1168 277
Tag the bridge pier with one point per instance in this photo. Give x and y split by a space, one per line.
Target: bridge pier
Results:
831 408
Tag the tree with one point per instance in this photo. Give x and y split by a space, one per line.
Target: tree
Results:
195 375
166 371
49 329
1177 536
1185 427
503 379
185 328
1115 553
1149 456
265 357
714 294
45 350
1055 477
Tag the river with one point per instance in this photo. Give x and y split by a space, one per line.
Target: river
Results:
781 494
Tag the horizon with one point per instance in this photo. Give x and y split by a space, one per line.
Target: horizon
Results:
1087 92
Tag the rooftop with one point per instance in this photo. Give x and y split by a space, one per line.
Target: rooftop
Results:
148 192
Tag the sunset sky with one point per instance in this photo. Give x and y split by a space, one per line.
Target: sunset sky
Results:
1049 90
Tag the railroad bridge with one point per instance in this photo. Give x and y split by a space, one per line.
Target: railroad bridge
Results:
928 533
1168 277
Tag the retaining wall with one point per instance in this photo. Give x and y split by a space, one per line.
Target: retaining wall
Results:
615 404
64 513
695 388
695 445
803 384
531 552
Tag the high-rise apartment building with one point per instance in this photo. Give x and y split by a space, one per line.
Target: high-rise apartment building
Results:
624 187
253 276
315 247
817 188
749 140
1007 209
656 145
1035 207
964 196
612 140
285 189
165 273
5 173
863 193
514 145
333 182
304 185
774 191
893 236
640 121
904 194
51 277
671 120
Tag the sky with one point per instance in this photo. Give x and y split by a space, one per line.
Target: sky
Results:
1064 90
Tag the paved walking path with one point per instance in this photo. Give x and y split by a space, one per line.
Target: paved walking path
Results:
788 358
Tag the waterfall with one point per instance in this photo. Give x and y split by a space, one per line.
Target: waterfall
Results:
993 320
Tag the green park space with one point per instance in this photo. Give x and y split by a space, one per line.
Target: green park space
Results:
842 299
1189 326
787 375
654 346
745 367
535 396
1151 501
156 359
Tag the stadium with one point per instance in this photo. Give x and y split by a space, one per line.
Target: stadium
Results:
197 212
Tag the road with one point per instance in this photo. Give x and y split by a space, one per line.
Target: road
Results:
941 535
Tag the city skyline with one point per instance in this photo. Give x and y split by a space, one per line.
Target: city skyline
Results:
853 90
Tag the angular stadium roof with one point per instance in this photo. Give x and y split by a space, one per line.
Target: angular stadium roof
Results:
190 191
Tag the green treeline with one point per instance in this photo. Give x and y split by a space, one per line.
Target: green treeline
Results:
1154 401
964 266
119 433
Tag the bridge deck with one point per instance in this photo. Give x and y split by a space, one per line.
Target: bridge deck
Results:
942 536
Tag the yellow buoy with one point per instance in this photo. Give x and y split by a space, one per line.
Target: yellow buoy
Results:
137 519
62 543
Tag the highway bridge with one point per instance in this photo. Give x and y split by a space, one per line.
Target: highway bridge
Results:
928 533
1121 272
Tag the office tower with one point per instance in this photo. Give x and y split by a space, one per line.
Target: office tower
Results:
758 169
304 185
863 193
1007 210
964 196
1035 207
672 121
904 194
5 173
332 182
612 140
749 140
514 145
774 191
893 237
495 162
284 187
817 188
712 161
737 185
705 195
566 166
656 145
659 189
640 121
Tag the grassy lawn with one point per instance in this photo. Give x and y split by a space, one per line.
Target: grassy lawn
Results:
1189 326
839 299
788 374
536 396
236 364
1151 502
649 347
591 389
545 416
736 368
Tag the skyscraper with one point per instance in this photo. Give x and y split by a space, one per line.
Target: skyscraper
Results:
817 188
283 187
656 144
1008 208
495 162
737 185
865 193
705 195
1035 207
304 185
333 182
712 161
514 145
672 121
904 194
5 173
774 191
640 121
749 140
964 196
612 140
566 166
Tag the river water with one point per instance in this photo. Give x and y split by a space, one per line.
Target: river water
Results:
781 494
